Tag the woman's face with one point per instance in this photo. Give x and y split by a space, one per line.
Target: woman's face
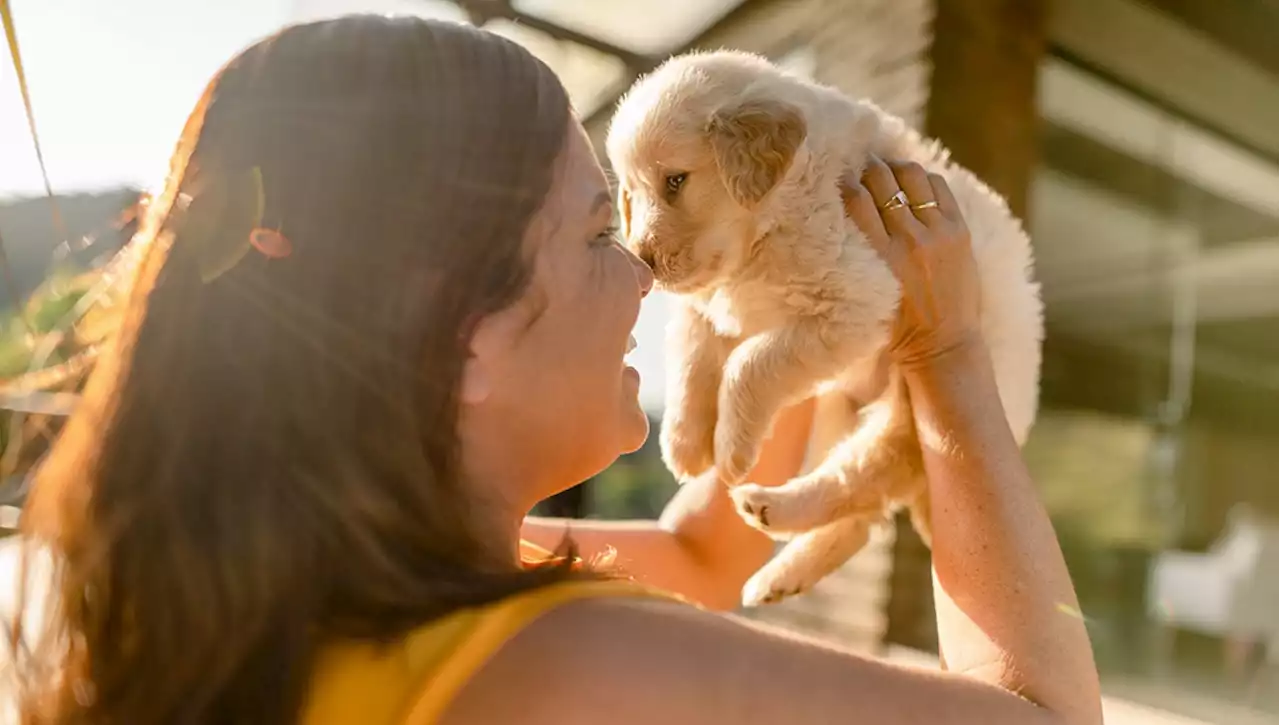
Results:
547 399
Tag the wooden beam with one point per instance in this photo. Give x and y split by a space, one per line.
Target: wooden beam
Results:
1074 99
1246 26
1174 64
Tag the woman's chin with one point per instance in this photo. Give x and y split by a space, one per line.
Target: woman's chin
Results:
635 430
635 422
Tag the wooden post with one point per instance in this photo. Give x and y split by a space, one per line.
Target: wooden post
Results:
982 105
982 98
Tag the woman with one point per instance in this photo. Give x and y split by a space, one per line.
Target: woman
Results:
382 315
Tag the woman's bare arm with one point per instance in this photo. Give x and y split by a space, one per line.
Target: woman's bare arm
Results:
1007 612
700 548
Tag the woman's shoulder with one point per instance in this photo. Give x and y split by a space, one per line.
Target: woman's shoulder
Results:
415 679
581 641
518 635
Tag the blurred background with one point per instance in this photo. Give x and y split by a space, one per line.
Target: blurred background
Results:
1137 138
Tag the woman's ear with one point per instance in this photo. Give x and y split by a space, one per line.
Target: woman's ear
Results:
754 143
491 350
476 382
479 369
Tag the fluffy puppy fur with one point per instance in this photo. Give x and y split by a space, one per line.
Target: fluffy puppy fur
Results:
728 172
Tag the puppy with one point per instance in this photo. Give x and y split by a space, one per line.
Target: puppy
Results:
729 174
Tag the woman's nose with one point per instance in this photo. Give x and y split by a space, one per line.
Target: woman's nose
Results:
644 274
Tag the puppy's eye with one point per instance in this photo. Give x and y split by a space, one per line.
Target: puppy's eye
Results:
674 182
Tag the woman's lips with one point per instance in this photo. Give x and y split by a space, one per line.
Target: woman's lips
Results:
627 370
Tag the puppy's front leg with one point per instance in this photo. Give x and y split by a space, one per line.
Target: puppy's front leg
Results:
765 373
696 356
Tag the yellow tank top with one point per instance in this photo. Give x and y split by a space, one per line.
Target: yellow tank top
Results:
412 681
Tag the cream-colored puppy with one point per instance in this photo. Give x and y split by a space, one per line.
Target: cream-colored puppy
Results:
729 172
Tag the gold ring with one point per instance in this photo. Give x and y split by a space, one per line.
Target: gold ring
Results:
932 203
897 201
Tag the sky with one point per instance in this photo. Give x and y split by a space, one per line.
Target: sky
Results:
112 83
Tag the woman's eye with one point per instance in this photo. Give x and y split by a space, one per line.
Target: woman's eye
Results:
608 237
674 182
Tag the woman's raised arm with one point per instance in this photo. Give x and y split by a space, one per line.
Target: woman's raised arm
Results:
1007 612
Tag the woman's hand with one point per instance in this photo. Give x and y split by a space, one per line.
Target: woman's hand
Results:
925 242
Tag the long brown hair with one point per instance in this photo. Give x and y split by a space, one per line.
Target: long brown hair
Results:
268 456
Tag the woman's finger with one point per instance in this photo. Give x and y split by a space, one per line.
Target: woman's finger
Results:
879 180
915 181
861 208
946 200
883 185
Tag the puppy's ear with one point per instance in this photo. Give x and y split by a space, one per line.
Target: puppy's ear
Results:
754 143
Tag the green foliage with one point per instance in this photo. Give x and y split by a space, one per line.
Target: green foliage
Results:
15 351
637 487
44 311
53 303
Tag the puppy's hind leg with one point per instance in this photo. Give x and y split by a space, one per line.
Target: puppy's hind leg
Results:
805 560
880 464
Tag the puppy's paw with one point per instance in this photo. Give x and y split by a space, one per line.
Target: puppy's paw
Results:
736 451
756 514
757 505
688 449
789 509
772 584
